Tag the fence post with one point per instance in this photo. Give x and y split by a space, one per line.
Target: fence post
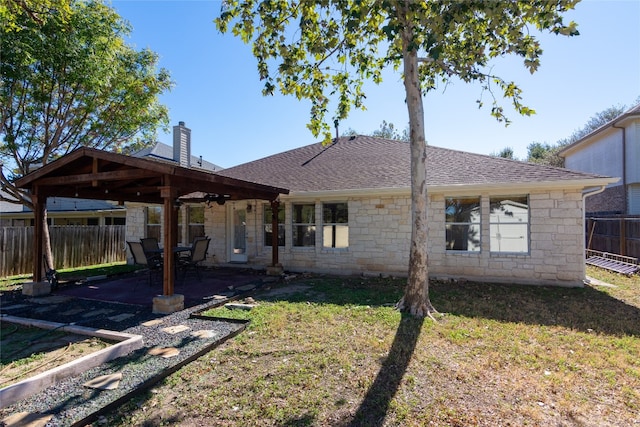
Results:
591 225
623 236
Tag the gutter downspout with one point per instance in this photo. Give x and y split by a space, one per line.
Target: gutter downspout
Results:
624 165
592 191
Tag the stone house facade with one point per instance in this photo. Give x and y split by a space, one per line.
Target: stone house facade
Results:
348 212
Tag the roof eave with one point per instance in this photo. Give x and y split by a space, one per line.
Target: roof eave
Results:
520 187
502 187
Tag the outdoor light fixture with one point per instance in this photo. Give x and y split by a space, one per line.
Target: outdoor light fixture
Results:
218 198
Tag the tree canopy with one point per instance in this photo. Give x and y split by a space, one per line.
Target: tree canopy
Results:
323 51
386 130
70 80
505 153
15 13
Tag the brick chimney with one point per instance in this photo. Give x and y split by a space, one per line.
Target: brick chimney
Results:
182 145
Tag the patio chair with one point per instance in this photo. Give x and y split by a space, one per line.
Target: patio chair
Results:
198 254
150 245
152 263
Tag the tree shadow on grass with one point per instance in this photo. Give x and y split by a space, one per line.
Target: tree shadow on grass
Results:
375 405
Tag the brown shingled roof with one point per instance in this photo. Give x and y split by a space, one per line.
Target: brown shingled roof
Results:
365 162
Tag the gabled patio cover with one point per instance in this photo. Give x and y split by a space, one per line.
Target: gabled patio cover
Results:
89 173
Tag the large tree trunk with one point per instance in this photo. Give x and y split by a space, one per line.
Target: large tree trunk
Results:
416 297
46 242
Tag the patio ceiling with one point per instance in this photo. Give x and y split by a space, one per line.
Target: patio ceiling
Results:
94 174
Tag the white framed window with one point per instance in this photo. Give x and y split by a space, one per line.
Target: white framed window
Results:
154 222
509 224
335 225
462 223
194 224
304 224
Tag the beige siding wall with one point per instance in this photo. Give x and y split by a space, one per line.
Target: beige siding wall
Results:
380 233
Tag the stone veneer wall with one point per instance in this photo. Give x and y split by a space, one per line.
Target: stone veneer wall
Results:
215 229
379 238
556 251
380 231
135 228
380 234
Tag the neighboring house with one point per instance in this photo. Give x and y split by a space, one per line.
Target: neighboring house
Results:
179 153
65 211
73 211
145 220
614 150
349 212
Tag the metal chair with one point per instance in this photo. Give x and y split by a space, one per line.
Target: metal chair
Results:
198 254
150 245
140 258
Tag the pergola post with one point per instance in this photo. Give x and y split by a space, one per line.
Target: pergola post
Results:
169 302
170 231
275 205
37 287
39 206
275 268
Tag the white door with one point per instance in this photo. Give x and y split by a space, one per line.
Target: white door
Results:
238 233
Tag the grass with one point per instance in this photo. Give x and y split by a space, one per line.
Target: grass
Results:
334 352
77 273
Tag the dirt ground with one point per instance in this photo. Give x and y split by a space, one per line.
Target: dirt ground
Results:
28 351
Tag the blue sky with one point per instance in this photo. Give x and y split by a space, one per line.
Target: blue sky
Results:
217 92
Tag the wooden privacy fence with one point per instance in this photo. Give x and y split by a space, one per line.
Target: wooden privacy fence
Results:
617 235
72 246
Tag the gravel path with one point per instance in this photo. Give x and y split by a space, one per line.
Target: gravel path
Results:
69 402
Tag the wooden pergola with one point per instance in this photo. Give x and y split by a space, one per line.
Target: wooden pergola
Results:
99 175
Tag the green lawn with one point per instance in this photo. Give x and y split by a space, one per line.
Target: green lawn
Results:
78 273
335 352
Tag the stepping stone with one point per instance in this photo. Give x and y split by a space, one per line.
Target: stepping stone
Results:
165 352
238 306
150 323
46 308
54 299
121 317
97 313
175 329
220 296
72 312
105 382
14 307
25 419
204 333
248 287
